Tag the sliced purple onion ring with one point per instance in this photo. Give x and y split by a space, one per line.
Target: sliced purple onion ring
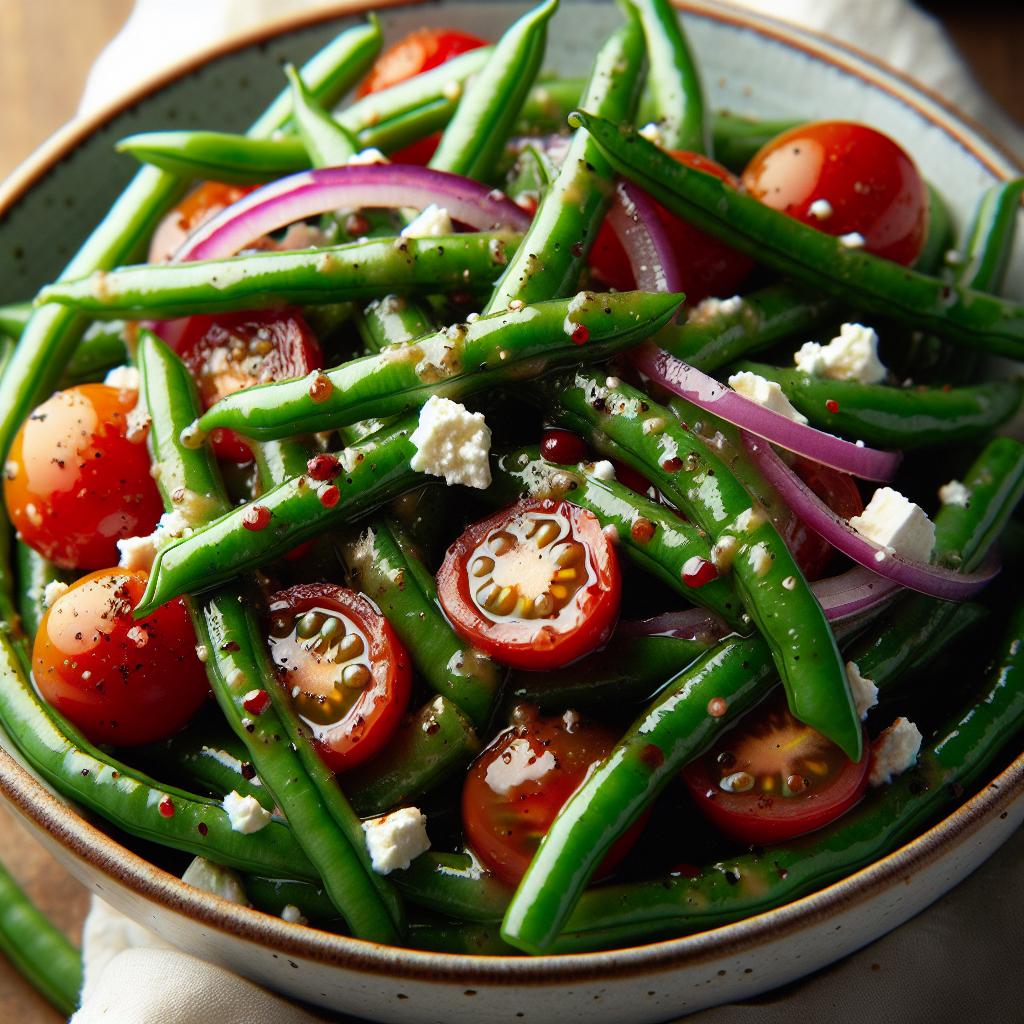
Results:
645 239
689 624
927 579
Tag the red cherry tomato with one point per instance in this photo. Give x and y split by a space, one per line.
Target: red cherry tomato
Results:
535 586
705 265
231 351
839 491
346 670
868 182
121 681
78 477
419 152
772 778
519 783
419 51
199 206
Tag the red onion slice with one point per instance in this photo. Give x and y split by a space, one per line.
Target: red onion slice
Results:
689 624
645 239
927 579
352 187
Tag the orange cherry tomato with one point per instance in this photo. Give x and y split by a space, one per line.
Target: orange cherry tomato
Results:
517 786
419 51
200 205
842 177
535 586
78 477
121 681
348 674
705 265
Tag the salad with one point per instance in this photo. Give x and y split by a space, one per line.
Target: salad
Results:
491 447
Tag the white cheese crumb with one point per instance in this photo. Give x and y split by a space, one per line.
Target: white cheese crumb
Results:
854 240
954 493
452 90
604 470
125 378
245 813
395 840
518 764
612 382
711 307
292 914
953 258
52 591
760 559
724 551
766 393
223 882
897 524
139 552
894 751
652 133
820 209
453 443
851 355
433 222
368 156
862 689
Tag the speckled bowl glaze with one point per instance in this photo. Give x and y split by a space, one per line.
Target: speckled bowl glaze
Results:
751 65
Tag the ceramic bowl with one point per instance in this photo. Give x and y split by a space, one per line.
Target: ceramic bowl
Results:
751 65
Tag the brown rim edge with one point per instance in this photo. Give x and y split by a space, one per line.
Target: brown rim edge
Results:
83 840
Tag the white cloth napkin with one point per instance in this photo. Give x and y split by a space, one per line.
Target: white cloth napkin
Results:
957 960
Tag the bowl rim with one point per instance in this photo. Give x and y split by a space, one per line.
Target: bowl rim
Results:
81 839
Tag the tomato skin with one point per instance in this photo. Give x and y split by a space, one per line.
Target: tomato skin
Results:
74 483
871 184
121 681
516 787
374 711
419 51
705 265
770 743
200 205
578 626
227 352
419 152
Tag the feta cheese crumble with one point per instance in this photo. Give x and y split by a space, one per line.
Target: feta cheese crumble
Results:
126 378
604 470
711 307
368 156
820 209
433 222
862 689
766 393
395 840
139 552
851 355
453 443
223 882
897 524
292 914
954 493
854 240
52 591
652 133
894 751
245 813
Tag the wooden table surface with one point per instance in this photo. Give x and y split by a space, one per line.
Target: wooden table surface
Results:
46 50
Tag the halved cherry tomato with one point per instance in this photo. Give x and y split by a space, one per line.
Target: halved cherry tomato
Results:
867 182
346 670
121 681
705 265
199 206
840 492
772 778
78 477
419 51
519 783
535 586
231 351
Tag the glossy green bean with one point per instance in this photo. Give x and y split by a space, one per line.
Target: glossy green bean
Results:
102 347
512 345
34 572
939 237
392 320
737 139
989 242
14 317
326 142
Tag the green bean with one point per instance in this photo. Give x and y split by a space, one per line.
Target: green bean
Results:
649 535
392 320
326 142
34 573
101 349
564 227
475 136
272 895
461 360
950 311
455 885
53 332
548 105
897 417
37 949
356 270
989 242
14 317
10 619
932 257
389 571
737 139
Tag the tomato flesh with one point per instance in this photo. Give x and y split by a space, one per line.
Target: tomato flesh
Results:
870 185
78 477
231 351
705 265
200 205
121 681
517 786
419 51
348 675
772 778
535 586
